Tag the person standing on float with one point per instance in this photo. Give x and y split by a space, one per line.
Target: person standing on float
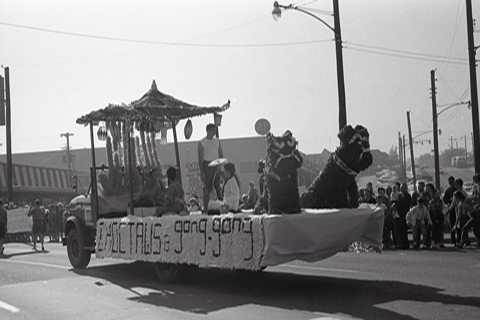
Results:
209 149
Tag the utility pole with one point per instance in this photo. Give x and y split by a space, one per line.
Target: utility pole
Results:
8 122
473 86
411 152
404 161
435 130
67 135
342 117
400 152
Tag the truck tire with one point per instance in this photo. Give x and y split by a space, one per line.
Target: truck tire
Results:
173 273
78 256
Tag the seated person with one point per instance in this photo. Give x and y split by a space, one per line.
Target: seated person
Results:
174 202
152 193
230 191
252 195
244 205
193 205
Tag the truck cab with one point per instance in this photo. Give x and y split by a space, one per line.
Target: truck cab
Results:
80 229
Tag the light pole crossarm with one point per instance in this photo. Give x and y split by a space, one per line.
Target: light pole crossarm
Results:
454 105
342 112
277 5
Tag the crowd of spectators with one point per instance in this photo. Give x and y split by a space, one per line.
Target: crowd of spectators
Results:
428 213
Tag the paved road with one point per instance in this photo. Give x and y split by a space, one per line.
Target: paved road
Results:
394 285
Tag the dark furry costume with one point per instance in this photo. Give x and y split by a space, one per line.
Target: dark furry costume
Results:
281 183
335 186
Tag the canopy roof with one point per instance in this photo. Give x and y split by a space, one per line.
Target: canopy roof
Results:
152 106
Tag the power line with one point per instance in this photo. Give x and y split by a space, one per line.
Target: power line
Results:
404 54
362 47
166 43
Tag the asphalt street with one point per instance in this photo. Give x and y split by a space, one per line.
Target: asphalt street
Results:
406 284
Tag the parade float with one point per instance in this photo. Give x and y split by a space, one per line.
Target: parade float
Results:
104 222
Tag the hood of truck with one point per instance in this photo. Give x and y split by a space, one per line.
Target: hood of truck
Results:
80 199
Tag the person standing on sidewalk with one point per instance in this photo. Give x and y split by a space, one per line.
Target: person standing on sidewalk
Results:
435 206
400 229
3 226
451 212
417 218
454 209
38 228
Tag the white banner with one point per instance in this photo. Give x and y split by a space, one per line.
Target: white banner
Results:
19 221
227 241
240 241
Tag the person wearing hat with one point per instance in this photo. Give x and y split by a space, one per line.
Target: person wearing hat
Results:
193 205
244 205
38 228
3 226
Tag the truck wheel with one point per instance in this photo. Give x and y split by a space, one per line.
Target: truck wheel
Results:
78 256
173 273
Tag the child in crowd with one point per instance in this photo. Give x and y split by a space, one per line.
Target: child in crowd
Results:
416 219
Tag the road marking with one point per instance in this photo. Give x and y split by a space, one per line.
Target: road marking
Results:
38 264
8 307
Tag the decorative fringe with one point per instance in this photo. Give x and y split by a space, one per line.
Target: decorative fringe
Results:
139 154
154 145
150 152
137 179
145 152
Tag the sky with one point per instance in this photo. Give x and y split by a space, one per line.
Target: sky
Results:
68 58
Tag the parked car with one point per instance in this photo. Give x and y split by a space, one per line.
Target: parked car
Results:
468 187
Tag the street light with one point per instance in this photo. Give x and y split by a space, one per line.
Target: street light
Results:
277 14
436 131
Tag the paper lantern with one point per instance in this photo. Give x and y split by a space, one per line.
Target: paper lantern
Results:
188 130
102 133
217 119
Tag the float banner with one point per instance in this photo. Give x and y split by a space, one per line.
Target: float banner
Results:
226 241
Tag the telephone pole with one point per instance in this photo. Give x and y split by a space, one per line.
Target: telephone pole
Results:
411 152
8 125
67 135
400 152
473 86
435 130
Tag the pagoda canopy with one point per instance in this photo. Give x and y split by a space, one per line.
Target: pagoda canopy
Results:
153 106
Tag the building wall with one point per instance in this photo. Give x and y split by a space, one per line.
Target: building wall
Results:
243 152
